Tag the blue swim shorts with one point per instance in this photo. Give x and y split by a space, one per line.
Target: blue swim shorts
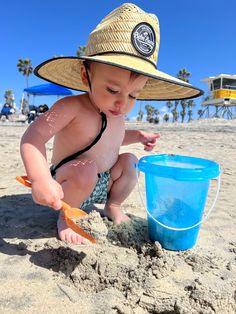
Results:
99 194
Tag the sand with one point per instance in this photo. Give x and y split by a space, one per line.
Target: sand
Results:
124 272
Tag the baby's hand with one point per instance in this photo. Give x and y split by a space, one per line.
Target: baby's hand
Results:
149 140
47 192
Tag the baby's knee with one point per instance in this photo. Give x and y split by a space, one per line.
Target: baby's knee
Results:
128 160
128 165
83 173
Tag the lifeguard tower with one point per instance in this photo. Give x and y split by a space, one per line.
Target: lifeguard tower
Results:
221 95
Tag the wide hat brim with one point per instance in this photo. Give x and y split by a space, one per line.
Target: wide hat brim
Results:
65 71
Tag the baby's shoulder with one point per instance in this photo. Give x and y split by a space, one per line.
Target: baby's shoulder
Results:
75 100
71 103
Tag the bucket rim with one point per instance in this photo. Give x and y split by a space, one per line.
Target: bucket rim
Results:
202 169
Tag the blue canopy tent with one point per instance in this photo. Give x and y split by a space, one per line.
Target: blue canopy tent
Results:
45 90
48 89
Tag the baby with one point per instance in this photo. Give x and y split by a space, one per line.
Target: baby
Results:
89 129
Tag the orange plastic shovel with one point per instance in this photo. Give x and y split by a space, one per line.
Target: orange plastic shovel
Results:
69 212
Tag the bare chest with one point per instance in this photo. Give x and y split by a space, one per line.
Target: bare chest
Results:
79 136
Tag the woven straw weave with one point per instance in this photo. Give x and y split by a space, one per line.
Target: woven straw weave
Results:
114 32
111 43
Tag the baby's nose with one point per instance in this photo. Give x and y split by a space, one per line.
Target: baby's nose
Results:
121 102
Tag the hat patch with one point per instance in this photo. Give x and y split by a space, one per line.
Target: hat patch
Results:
144 39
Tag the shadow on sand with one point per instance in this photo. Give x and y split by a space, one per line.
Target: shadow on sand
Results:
22 219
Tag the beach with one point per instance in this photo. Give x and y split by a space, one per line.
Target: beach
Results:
124 272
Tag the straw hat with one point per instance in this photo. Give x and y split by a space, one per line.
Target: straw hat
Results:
127 38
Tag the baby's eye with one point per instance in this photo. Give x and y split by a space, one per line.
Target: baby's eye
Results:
112 91
132 97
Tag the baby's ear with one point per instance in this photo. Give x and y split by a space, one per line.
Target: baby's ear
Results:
83 75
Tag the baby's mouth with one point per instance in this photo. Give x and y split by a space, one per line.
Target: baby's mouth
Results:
115 113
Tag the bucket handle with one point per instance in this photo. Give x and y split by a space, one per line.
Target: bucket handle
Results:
186 228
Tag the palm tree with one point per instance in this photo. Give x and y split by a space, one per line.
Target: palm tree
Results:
24 106
140 115
206 98
156 116
169 105
25 66
183 112
183 75
190 115
176 103
81 51
157 120
175 115
150 113
166 117
200 113
190 105
9 96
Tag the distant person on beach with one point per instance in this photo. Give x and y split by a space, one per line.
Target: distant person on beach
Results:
42 109
35 112
6 111
119 66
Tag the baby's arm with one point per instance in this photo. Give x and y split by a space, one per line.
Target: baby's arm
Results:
45 190
149 140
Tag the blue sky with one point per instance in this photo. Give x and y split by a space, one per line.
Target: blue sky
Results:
198 35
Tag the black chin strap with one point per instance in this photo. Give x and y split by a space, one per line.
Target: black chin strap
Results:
88 78
75 155
97 138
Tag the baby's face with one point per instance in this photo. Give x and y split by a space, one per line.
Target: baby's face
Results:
114 90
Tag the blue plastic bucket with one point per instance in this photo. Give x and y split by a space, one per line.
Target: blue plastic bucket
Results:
176 193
